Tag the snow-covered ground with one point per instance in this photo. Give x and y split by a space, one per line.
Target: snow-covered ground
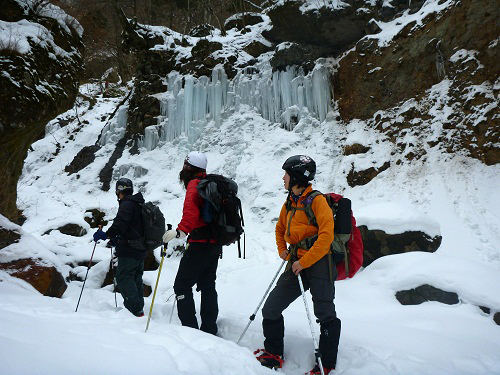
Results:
451 195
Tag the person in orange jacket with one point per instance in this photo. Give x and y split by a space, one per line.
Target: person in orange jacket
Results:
313 266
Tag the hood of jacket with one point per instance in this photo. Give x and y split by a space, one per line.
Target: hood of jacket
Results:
138 198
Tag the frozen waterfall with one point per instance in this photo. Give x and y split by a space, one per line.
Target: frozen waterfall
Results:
280 97
115 129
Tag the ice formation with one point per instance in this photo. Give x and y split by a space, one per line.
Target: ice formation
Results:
190 103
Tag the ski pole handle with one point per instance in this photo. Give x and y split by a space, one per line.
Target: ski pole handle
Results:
165 244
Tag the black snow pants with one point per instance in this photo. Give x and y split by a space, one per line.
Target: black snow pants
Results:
316 279
198 266
129 280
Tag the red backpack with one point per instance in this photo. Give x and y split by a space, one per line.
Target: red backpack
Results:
354 245
347 248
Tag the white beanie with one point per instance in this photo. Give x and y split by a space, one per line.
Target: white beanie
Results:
197 159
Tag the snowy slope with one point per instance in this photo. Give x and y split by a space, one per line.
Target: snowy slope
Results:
380 336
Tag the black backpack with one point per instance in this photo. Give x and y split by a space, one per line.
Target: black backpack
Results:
221 210
154 225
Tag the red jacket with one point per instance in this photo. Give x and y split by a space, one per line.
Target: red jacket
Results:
191 212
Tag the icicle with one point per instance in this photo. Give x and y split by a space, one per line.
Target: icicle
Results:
284 97
115 130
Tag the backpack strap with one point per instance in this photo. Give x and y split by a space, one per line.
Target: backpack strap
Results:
308 242
308 207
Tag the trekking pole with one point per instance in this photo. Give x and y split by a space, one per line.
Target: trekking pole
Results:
113 272
252 317
88 268
163 253
317 354
172 312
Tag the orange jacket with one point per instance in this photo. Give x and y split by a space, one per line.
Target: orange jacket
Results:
300 228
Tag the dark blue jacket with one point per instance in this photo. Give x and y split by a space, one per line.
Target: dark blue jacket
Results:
127 230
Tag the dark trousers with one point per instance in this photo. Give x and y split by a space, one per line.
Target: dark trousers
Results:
198 266
316 279
129 280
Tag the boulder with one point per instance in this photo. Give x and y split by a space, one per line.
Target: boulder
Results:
137 38
425 293
150 263
378 243
200 31
43 277
204 48
241 20
95 217
70 230
288 54
73 230
257 48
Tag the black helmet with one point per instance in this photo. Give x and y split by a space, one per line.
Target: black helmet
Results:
301 169
124 185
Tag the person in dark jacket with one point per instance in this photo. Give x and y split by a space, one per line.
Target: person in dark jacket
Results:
127 233
199 262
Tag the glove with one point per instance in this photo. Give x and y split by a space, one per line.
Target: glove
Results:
171 234
99 235
112 242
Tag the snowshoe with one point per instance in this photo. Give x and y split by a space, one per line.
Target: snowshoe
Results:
266 359
316 370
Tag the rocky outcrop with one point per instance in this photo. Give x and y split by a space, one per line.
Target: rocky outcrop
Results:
378 243
496 318
8 237
150 264
73 230
337 29
202 30
357 178
95 218
39 80
241 20
425 293
355 148
458 48
84 158
42 276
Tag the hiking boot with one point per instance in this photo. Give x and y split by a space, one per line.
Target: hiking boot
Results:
316 370
140 314
266 359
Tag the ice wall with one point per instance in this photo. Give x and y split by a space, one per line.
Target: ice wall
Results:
115 129
281 97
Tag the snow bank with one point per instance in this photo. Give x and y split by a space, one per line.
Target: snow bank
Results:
395 218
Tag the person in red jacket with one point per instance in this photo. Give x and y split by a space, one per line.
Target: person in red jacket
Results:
199 262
